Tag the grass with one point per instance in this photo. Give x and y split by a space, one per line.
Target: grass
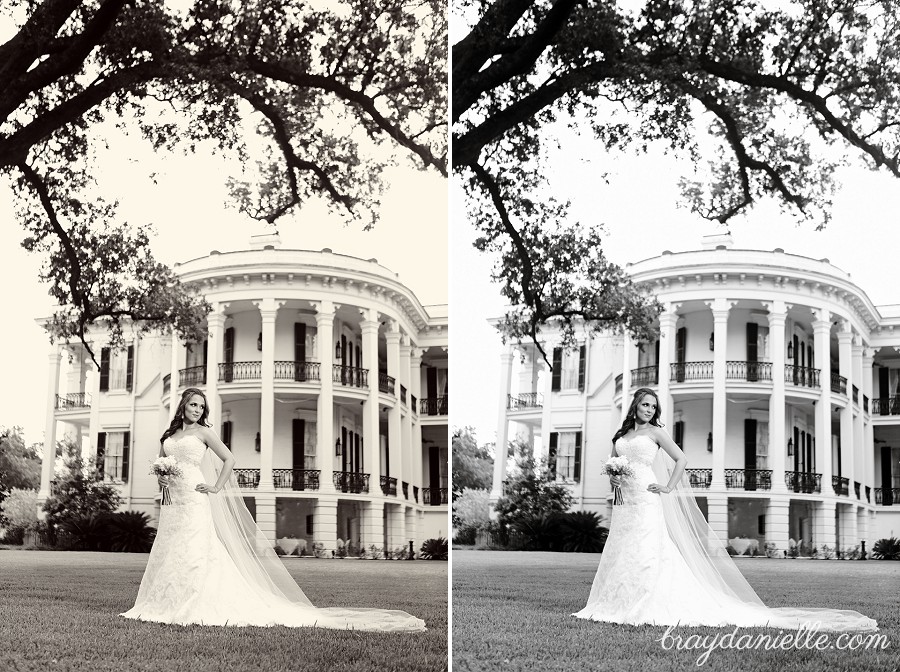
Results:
59 611
511 612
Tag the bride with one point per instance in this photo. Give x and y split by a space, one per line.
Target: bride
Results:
210 564
662 563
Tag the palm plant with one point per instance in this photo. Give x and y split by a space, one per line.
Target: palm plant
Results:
130 532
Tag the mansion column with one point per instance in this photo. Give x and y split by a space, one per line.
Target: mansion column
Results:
325 517
416 478
325 403
777 441
174 382
855 457
405 470
394 448
667 321
627 354
48 461
265 498
506 362
846 368
822 334
867 449
720 310
214 352
371 432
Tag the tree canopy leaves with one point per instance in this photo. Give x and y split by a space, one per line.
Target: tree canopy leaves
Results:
305 91
781 93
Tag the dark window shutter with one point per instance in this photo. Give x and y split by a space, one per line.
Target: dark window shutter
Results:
359 362
551 462
556 375
297 442
359 448
761 526
205 358
752 351
104 369
680 348
100 464
129 372
125 449
577 466
299 351
582 355
679 433
309 524
226 434
750 454
228 355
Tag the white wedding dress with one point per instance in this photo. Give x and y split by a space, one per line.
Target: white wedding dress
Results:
192 577
649 575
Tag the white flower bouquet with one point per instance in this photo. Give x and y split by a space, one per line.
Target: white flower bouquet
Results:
618 466
166 466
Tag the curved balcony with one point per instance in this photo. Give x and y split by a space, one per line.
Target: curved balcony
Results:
386 384
841 485
699 478
192 376
247 479
434 496
351 481
230 372
886 405
682 372
839 385
73 401
389 485
800 481
856 487
433 406
350 376
405 490
801 376
645 376
524 401
299 372
748 479
402 394
416 494
887 496
296 479
167 383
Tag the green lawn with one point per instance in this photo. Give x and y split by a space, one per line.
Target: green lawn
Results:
511 612
59 612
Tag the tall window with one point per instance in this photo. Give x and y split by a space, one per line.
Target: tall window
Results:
112 456
570 361
116 369
565 456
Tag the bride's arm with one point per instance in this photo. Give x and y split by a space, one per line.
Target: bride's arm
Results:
667 444
221 450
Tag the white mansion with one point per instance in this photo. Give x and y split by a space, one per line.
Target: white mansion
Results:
325 376
776 375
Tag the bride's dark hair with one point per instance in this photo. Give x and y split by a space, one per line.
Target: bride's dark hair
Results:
179 413
629 422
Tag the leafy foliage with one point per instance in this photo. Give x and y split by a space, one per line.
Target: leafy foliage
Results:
434 549
886 549
129 532
78 495
581 532
531 496
302 92
20 466
473 465
778 94
19 509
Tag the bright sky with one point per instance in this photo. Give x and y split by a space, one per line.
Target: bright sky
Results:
639 208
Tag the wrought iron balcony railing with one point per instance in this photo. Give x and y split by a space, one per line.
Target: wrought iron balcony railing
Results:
434 496
841 485
299 372
405 490
386 384
389 486
416 493
800 481
683 372
886 405
855 395
240 371
865 403
247 478
350 376
645 376
699 478
887 496
748 479
856 487
402 394
296 479
167 383
522 401
619 384
839 385
433 406
351 481
413 404
802 376
192 376
869 494
73 400
752 372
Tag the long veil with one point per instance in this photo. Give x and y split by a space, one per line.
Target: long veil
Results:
708 560
264 571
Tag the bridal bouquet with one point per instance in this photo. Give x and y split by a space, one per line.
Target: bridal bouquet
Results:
166 466
618 466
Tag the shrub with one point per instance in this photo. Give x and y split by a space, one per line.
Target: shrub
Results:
466 536
129 532
20 508
14 536
886 549
434 549
581 532
472 508
78 495
88 532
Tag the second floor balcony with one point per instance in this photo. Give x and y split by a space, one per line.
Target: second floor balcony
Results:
735 370
433 406
434 496
351 482
886 405
801 481
887 496
525 401
73 401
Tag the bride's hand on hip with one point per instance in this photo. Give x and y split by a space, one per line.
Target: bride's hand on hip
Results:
659 489
208 489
